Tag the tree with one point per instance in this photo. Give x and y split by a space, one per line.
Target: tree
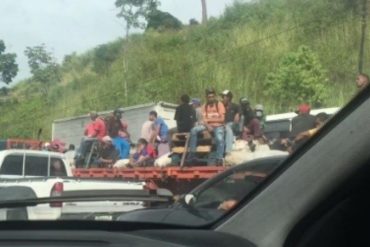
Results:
134 11
8 67
159 20
299 78
193 22
43 66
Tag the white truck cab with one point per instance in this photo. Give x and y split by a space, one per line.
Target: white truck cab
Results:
16 163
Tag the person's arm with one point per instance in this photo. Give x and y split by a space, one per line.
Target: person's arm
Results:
222 112
305 134
257 131
194 117
142 158
237 115
237 118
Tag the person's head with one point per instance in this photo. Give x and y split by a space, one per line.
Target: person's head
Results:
211 95
304 109
71 147
57 165
244 103
321 118
117 113
195 102
93 115
227 96
362 80
141 144
185 99
153 115
259 111
107 141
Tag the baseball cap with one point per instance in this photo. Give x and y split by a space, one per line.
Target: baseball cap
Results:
226 92
244 100
259 107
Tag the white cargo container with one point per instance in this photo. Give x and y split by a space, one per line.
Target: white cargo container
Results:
70 130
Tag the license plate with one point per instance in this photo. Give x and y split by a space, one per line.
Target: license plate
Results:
104 217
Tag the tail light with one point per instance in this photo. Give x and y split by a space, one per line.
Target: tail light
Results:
56 191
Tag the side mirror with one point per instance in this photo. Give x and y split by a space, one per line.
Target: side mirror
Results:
189 199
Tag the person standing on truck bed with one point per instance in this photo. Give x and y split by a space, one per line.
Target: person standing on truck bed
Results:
213 120
160 134
232 118
117 130
185 115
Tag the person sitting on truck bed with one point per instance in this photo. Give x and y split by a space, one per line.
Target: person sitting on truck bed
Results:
95 130
213 113
107 154
145 154
117 130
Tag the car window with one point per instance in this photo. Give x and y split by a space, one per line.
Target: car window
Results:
36 166
57 167
12 165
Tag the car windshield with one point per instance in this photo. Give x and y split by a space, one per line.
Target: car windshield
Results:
165 110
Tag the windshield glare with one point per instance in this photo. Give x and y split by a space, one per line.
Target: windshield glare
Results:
165 111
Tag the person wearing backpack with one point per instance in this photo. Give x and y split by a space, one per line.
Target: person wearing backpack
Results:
213 113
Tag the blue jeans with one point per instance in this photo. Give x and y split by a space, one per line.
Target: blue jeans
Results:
229 137
219 137
122 146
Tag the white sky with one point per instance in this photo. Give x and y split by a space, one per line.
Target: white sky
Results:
67 26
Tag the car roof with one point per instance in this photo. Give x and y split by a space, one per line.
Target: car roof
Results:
35 152
290 115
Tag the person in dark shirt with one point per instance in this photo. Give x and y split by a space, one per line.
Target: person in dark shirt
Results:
115 126
232 118
108 154
185 115
303 122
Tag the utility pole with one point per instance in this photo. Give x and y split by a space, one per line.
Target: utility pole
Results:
363 35
204 11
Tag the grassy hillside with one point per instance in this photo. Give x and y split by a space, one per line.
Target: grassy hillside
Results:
236 51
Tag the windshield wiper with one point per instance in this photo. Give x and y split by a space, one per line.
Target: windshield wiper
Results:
14 203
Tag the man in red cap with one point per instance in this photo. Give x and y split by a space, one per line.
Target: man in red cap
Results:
303 122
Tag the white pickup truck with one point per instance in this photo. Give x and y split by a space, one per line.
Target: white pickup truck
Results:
47 174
